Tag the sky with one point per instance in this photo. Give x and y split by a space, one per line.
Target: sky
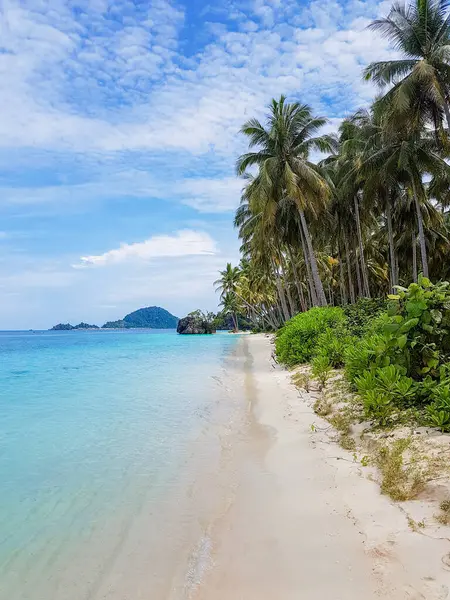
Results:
119 132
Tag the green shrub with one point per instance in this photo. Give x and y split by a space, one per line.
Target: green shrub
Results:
383 389
332 345
439 410
414 334
296 340
418 332
321 369
366 353
361 314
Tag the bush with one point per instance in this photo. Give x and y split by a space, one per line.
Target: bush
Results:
296 340
439 409
414 334
332 344
418 332
361 314
383 389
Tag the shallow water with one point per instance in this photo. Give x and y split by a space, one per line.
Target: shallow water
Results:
96 431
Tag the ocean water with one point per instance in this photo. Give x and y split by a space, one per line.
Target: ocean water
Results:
95 431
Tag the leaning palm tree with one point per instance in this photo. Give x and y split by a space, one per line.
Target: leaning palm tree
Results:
230 306
228 280
281 154
227 285
420 80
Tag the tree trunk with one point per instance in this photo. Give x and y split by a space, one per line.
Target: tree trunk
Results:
414 257
358 275
344 298
391 246
314 268
235 322
349 271
422 242
285 285
312 290
365 277
297 280
281 296
292 307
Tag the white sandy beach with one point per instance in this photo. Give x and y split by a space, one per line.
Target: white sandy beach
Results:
304 521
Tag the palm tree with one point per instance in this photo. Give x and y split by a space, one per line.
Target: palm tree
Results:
227 285
421 78
230 304
404 157
281 155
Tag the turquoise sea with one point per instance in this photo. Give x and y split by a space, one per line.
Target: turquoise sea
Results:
95 431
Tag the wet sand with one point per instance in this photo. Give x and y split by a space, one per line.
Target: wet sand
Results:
297 520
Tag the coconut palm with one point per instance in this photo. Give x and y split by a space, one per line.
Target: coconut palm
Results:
230 306
227 285
281 154
420 79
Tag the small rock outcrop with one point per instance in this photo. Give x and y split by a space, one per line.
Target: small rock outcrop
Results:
195 324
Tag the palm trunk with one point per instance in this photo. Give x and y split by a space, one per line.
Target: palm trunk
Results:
365 277
281 296
358 275
235 323
285 284
297 280
391 246
422 242
314 268
344 298
312 290
349 270
414 257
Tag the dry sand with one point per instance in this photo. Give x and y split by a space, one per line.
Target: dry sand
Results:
303 520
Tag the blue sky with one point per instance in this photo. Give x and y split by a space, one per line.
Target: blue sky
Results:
119 133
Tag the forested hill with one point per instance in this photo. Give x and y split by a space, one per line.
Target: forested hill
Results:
152 317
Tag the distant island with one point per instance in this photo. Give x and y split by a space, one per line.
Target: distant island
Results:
152 317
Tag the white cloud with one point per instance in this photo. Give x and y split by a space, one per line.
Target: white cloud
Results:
182 243
205 194
124 88
99 104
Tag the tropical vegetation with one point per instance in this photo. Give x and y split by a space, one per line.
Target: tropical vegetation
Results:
332 219
343 234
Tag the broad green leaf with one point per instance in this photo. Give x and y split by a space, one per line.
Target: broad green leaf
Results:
408 325
401 341
391 327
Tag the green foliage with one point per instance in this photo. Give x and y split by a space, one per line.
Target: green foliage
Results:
296 340
383 389
399 481
404 358
364 354
332 345
361 315
438 411
321 369
417 334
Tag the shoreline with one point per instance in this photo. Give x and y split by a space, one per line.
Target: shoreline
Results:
305 520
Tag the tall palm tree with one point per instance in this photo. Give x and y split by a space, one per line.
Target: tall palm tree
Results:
281 155
227 285
420 79
405 157
230 304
